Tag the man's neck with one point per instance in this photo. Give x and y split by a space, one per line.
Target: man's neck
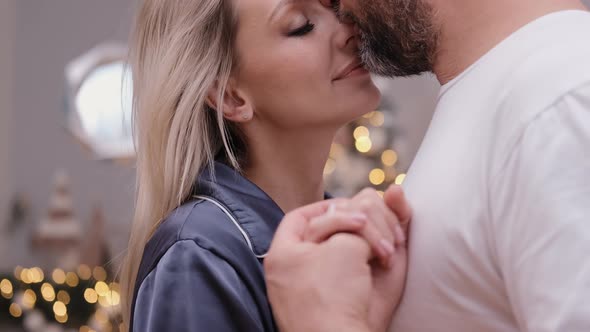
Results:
469 29
289 167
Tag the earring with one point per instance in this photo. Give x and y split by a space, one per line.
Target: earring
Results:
245 116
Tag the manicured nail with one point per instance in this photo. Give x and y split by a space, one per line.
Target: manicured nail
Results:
399 234
387 247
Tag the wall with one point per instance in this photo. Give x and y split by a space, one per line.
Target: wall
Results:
7 25
49 34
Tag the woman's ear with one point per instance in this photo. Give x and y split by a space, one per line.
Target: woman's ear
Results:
235 104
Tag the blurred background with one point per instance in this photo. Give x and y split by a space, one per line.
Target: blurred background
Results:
66 159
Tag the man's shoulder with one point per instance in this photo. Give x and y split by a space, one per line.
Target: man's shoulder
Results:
537 84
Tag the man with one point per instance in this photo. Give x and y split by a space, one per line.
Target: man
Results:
500 187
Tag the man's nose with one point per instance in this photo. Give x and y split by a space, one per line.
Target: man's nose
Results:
326 3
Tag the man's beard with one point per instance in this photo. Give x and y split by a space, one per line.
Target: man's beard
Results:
398 37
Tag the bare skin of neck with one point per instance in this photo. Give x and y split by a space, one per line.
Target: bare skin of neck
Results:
289 166
472 28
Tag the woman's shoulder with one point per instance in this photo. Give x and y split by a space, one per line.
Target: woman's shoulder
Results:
201 222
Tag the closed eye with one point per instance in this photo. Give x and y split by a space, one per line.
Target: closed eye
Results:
303 30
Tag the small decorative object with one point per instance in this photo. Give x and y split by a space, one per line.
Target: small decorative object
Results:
60 232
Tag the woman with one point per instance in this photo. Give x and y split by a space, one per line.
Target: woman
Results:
236 103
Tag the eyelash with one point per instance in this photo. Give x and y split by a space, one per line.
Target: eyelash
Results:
305 29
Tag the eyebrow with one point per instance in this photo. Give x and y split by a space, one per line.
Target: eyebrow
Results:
282 4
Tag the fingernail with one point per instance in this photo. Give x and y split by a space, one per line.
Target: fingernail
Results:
387 247
399 233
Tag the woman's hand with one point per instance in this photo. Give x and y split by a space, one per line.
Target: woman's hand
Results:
383 224
331 281
368 216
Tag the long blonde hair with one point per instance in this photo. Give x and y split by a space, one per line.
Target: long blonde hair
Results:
179 50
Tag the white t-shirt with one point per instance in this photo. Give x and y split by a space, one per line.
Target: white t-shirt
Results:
500 239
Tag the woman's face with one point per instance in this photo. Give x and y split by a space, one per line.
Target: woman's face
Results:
298 66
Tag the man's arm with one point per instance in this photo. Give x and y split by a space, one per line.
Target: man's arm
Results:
540 202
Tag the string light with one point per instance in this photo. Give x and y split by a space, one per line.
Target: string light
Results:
377 176
6 288
59 309
377 119
72 279
99 273
29 299
363 144
47 292
84 272
15 310
400 179
63 296
101 288
389 157
25 276
90 295
62 319
360 131
17 272
59 276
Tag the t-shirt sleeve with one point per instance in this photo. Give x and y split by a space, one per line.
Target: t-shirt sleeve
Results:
193 289
540 207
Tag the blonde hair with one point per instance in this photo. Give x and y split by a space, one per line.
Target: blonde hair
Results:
179 50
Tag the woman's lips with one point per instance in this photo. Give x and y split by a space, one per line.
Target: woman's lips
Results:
353 69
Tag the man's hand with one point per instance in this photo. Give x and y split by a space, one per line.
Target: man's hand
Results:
337 285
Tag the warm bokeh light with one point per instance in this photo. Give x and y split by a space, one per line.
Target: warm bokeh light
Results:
360 131
61 319
84 272
84 328
17 272
363 144
101 288
389 157
400 179
63 296
36 275
6 286
377 119
25 276
369 115
59 276
377 176
59 308
15 310
72 279
90 295
47 292
29 299
99 273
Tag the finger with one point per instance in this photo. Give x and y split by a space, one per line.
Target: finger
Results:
322 227
396 200
351 246
292 227
380 215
